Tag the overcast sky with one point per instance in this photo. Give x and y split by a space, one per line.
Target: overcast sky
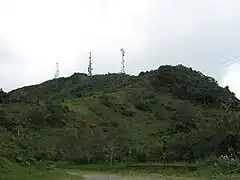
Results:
34 34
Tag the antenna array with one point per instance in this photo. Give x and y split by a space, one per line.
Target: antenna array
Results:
123 61
90 69
90 65
57 71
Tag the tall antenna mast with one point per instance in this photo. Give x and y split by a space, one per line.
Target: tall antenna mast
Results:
57 70
90 65
123 61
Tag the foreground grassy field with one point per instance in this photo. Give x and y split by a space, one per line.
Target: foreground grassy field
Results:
64 171
13 171
10 171
34 174
101 172
90 175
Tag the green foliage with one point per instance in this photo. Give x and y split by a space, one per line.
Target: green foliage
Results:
170 114
76 86
14 171
187 84
4 97
4 118
142 105
185 118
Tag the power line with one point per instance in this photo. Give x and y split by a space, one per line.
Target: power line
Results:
238 60
230 61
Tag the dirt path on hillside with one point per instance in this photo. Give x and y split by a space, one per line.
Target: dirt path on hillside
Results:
94 176
120 177
101 177
114 177
88 176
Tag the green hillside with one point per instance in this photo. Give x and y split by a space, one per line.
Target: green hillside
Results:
170 114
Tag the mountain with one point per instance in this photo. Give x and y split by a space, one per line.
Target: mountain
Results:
173 113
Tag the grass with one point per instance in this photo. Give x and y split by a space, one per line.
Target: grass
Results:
155 174
34 174
13 171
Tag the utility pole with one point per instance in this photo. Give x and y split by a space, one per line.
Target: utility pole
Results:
90 65
123 61
57 70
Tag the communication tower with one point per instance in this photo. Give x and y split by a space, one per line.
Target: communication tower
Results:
57 70
123 61
90 65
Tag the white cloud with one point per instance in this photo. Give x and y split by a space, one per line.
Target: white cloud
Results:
49 30
35 34
231 79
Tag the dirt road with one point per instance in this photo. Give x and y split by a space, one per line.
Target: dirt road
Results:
100 176
129 177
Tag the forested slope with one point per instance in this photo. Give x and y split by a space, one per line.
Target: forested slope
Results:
170 114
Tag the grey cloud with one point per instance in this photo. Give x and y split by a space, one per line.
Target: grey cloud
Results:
11 67
202 34
199 34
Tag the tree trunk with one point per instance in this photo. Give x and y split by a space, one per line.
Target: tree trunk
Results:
111 158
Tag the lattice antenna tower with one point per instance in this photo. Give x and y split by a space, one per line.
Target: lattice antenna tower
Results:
90 65
123 61
57 70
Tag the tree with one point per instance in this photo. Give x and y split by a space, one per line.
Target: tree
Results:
4 97
114 141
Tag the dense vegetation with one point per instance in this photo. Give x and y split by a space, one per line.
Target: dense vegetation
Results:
170 114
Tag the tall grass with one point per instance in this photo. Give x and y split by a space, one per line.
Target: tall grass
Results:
13 171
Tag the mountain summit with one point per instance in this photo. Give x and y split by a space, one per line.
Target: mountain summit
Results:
173 113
